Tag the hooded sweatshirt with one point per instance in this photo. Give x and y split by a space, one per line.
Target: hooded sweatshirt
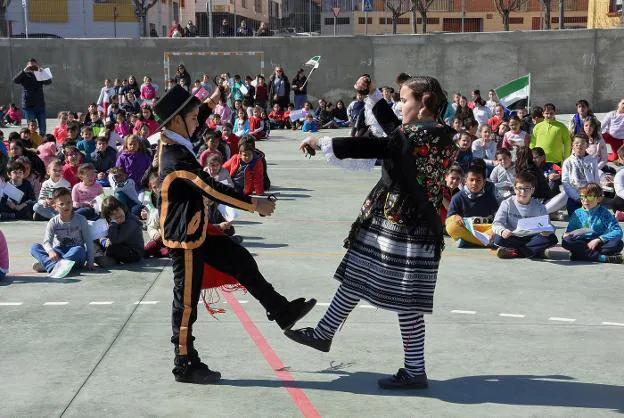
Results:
577 172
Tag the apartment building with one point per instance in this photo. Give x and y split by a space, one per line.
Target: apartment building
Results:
604 14
446 16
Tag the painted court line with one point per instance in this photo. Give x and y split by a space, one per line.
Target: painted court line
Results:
368 307
511 315
101 303
146 302
322 303
555 318
55 303
614 324
11 303
298 396
458 311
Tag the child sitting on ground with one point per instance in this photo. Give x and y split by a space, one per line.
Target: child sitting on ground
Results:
214 167
520 206
593 233
464 156
618 184
87 144
241 125
310 125
124 240
103 159
256 124
246 171
230 139
453 180
276 117
551 171
579 169
212 148
22 209
67 235
85 192
44 208
124 189
47 150
473 201
485 148
73 159
29 175
135 159
154 247
504 174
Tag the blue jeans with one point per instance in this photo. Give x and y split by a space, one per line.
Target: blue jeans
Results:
77 254
580 251
300 100
47 213
39 114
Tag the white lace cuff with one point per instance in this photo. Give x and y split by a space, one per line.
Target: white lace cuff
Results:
348 163
370 119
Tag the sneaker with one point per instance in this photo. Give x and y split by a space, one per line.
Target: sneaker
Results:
614 259
296 310
38 267
505 253
198 373
403 380
306 336
619 215
460 243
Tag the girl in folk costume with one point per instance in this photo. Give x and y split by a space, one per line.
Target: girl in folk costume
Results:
395 244
186 192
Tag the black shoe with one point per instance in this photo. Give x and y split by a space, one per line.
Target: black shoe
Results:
38 218
296 310
198 373
614 259
402 380
306 336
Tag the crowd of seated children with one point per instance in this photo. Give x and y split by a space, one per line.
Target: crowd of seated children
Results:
475 200
520 206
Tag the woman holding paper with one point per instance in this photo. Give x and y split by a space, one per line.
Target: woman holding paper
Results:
395 244
33 101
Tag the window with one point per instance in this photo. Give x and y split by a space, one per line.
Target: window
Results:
403 21
329 21
176 11
164 30
244 4
362 21
516 20
430 21
343 21
441 6
258 6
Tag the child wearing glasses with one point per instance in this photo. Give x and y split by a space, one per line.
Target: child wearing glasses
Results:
593 233
520 206
579 169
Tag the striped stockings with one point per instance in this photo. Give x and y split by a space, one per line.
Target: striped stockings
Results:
412 328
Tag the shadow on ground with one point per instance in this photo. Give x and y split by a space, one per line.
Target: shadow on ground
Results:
529 390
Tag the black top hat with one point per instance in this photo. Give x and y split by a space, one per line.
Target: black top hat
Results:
172 103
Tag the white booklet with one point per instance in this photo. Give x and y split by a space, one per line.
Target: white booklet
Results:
43 74
11 192
483 238
229 213
61 269
532 226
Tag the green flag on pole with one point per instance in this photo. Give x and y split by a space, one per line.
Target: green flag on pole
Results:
516 93
314 61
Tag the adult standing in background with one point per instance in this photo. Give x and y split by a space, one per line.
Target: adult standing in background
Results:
300 87
191 29
243 29
226 30
33 102
263 30
279 88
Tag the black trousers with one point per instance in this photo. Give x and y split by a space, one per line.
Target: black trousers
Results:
617 204
228 257
123 253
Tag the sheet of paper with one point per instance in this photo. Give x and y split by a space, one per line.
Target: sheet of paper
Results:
13 192
228 213
468 223
98 229
243 89
297 114
61 269
202 94
533 225
43 75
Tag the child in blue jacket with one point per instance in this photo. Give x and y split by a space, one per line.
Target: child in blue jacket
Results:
593 233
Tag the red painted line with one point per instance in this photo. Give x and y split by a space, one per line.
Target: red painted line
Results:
298 396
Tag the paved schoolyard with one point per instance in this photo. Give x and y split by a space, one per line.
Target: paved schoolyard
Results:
508 338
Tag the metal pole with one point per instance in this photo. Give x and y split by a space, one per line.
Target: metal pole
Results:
235 27
365 23
114 22
335 19
311 18
561 15
25 4
209 14
463 14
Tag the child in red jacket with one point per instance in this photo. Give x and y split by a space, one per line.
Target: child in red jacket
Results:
230 138
276 117
256 124
246 171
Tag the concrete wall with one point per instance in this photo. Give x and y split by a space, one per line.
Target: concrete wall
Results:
565 65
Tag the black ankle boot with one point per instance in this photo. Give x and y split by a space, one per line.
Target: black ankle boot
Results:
194 371
296 310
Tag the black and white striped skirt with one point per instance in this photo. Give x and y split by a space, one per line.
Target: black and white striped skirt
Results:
391 266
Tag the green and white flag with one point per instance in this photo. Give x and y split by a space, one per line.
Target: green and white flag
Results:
314 61
516 93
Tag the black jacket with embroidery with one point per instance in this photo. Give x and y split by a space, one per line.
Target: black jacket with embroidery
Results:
185 194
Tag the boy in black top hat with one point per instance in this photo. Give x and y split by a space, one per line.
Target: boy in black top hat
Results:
184 210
